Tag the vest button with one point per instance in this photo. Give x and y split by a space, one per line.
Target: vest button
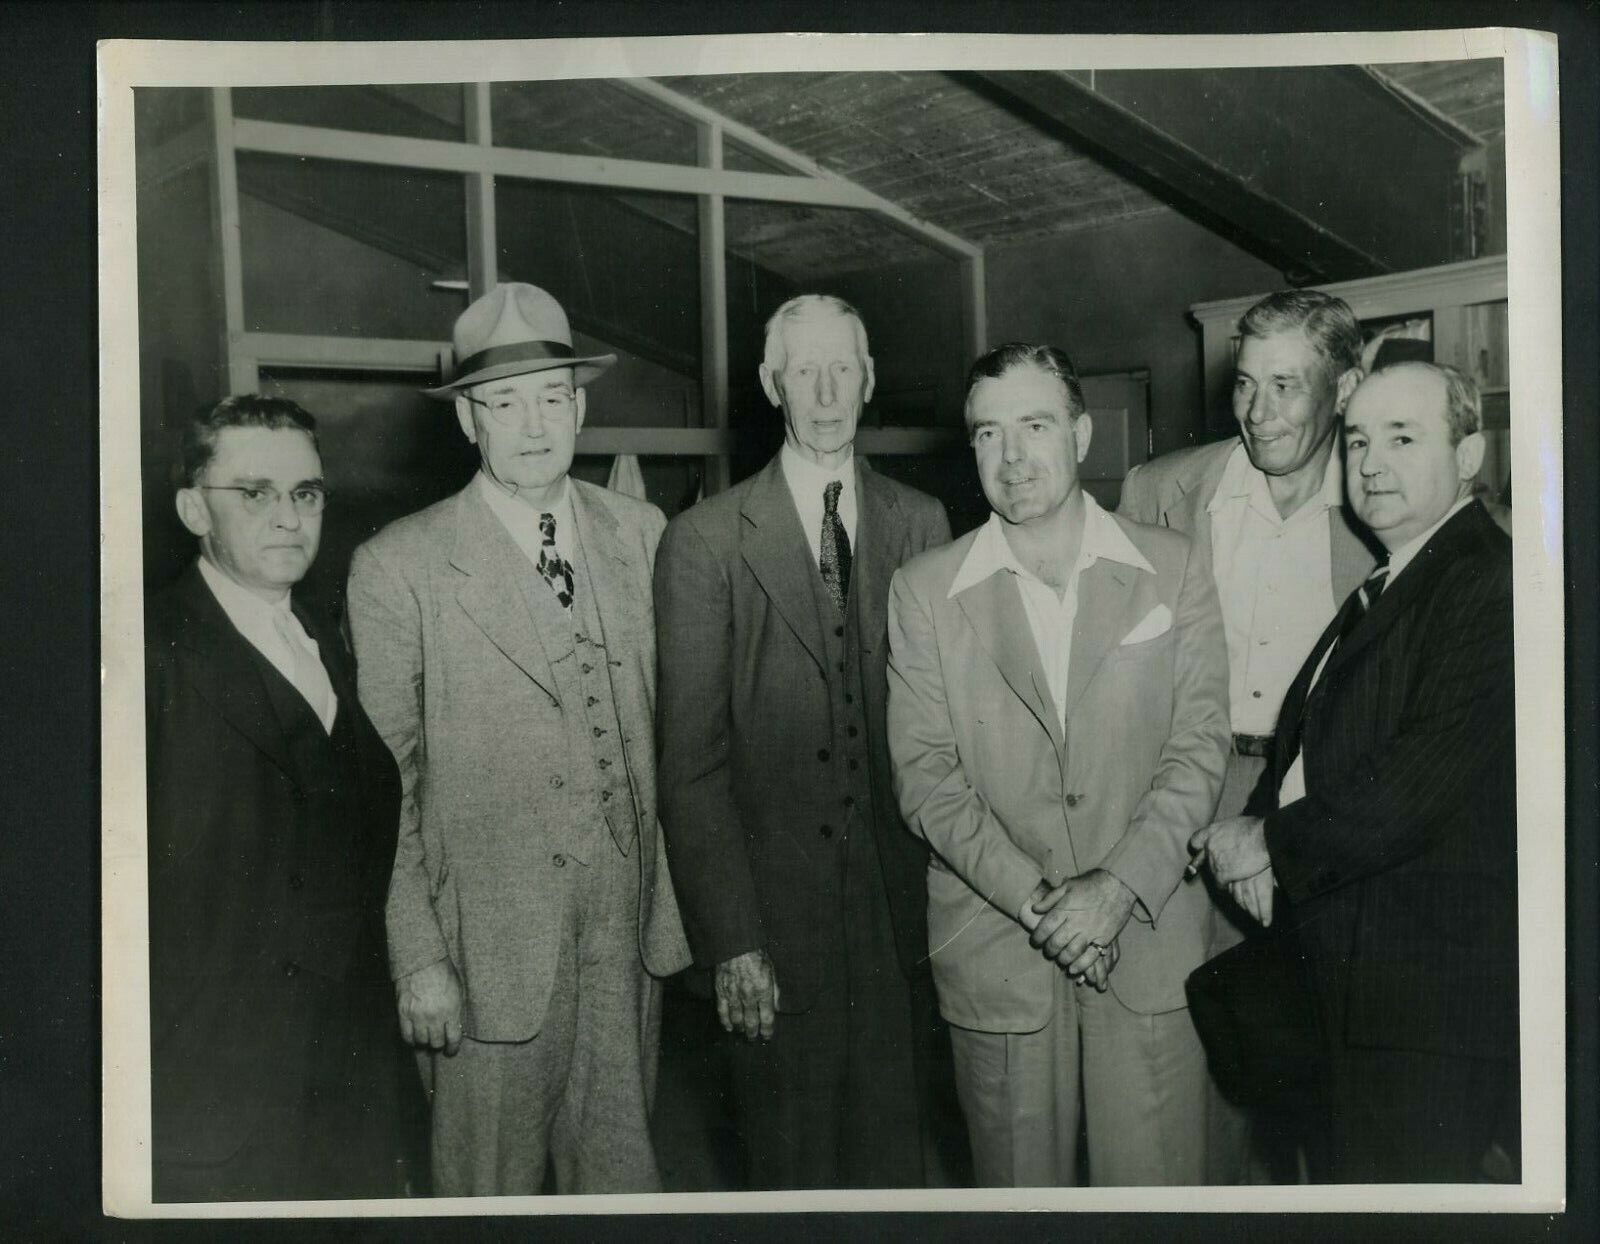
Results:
849 801
587 669
822 754
1072 801
291 968
854 764
848 698
296 881
559 860
851 731
826 831
591 701
603 763
839 631
605 796
598 731
555 781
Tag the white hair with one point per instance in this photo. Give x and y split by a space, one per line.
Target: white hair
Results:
808 307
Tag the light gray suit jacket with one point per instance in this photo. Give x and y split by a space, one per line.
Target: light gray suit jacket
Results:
454 636
1175 489
984 772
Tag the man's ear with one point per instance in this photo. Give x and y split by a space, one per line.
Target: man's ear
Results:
464 418
1469 456
872 379
769 386
1345 387
1082 431
580 398
192 511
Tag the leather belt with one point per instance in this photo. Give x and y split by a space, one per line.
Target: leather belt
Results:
1253 745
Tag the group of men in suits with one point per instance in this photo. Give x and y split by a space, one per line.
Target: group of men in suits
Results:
912 805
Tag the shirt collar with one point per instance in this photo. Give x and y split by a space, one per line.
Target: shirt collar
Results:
1241 480
525 518
1407 552
235 599
991 552
806 478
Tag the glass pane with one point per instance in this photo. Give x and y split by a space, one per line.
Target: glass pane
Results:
160 113
387 451
589 116
671 481
626 268
350 249
421 110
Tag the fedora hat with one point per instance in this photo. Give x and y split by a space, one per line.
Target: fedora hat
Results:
513 329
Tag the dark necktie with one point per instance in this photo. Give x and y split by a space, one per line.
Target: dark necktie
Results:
555 569
1356 607
835 557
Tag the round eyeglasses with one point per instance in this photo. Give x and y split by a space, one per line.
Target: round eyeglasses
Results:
262 498
510 410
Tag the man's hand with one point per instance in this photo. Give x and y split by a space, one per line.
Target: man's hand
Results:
430 1007
1234 849
1254 894
1080 919
1099 971
747 995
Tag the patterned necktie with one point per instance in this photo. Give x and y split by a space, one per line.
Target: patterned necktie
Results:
835 557
555 569
1365 597
1356 607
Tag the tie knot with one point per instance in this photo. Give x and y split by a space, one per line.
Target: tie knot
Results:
1373 587
547 527
830 497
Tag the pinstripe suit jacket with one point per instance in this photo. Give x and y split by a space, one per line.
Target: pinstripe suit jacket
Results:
1399 863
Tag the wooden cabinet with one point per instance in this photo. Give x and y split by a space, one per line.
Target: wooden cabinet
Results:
1458 309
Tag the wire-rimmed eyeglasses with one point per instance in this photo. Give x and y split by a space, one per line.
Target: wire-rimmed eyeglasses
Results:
308 500
510 409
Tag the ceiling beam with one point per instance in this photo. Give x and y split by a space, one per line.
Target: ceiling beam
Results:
1243 153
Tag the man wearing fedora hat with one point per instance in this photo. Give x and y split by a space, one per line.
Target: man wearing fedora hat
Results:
506 647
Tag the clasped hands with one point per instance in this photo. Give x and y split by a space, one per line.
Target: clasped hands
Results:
1076 924
1235 853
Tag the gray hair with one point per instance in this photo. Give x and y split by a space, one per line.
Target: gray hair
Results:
1463 406
808 307
1328 323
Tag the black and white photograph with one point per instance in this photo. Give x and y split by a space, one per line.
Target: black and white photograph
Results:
815 622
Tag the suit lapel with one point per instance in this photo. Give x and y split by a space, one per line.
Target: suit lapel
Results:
1413 585
613 574
497 593
877 552
1104 590
994 609
227 674
779 555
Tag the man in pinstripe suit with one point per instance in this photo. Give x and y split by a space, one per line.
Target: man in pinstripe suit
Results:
1384 827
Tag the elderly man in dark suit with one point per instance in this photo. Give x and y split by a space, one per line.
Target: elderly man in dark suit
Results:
801 889
507 649
1382 837
276 1070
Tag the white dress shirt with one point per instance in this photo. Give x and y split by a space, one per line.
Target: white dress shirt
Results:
1293 785
807 482
1274 580
274 632
1050 617
522 520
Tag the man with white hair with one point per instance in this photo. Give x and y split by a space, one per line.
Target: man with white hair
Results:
801 890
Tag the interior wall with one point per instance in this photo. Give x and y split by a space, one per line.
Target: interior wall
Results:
1116 298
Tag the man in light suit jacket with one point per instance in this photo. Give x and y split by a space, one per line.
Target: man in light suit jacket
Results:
275 1068
1058 722
507 655
801 890
1266 511
1384 830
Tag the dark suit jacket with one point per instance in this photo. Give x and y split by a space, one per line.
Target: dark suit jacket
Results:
744 701
275 1058
1399 864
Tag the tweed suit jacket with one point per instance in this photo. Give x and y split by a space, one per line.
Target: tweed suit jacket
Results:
1175 489
455 634
1004 798
745 707
1399 863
